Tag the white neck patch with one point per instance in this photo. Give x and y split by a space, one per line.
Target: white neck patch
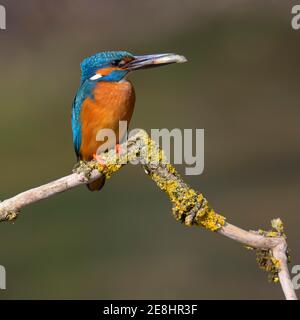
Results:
96 76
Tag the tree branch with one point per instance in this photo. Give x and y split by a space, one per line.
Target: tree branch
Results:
189 206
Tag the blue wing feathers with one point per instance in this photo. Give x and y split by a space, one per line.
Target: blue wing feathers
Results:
86 90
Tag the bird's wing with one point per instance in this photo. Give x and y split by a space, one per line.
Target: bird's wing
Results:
85 90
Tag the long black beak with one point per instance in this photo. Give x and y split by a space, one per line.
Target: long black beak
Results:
154 60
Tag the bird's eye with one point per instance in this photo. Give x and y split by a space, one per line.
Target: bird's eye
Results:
115 63
118 63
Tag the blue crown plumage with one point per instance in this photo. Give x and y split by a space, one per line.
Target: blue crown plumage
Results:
90 65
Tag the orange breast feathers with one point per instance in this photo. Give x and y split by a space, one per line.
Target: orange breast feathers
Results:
112 102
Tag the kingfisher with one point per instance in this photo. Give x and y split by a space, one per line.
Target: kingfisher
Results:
105 97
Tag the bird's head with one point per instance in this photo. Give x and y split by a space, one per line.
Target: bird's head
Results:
115 65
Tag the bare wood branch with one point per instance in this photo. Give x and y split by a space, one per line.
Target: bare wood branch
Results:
277 245
189 206
9 209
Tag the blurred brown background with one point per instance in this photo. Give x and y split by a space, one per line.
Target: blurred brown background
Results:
241 85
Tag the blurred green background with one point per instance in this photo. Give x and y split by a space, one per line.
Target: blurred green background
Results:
241 85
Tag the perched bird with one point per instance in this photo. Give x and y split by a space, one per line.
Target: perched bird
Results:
105 97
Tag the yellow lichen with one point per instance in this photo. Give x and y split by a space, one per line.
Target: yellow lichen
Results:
109 168
170 168
189 206
264 257
277 224
272 234
210 220
186 200
268 263
12 215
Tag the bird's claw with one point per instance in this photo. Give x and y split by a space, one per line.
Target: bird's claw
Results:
118 149
99 159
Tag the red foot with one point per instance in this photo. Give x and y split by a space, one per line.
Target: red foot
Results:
99 159
118 148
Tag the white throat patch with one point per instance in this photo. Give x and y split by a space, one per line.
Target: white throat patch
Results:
96 76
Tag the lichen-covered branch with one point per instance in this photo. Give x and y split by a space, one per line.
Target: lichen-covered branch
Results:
189 206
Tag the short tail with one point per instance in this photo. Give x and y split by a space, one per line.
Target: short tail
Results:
97 185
